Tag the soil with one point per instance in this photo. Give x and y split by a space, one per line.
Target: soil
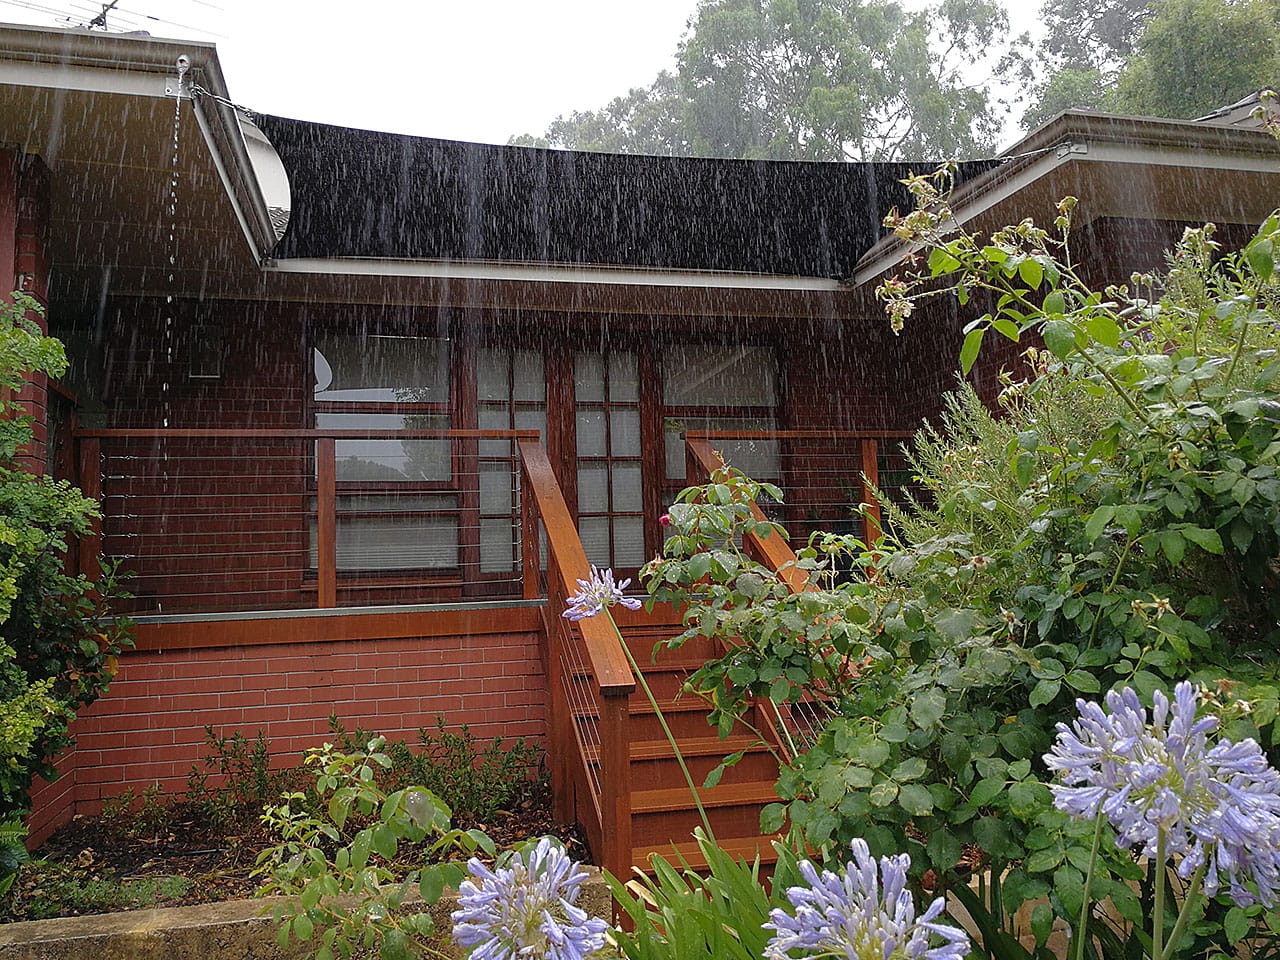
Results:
98 865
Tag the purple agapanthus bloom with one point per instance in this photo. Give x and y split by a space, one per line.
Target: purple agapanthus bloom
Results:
597 593
527 910
864 912
1217 806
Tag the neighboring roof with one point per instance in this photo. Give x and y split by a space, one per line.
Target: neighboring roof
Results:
1238 114
362 194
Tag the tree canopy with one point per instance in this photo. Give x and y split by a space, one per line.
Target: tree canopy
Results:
1167 58
815 80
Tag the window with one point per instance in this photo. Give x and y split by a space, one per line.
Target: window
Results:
721 387
397 504
511 394
610 503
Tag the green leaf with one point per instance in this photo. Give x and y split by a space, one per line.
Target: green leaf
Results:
1027 798
384 842
911 769
772 817
969 351
944 849
1083 681
1045 692
1236 925
303 927
1103 329
431 884
1043 860
1098 521
986 791
1174 545
1031 272
1059 338
883 793
1006 328
915 799
1042 923
1261 256
928 708
1055 303
1025 468
1207 540
395 946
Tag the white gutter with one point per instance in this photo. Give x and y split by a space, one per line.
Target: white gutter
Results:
546 273
85 61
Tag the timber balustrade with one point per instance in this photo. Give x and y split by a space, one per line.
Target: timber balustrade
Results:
223 520
588 674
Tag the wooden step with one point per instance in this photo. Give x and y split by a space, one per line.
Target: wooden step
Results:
740 848
668 814
724 795
653 764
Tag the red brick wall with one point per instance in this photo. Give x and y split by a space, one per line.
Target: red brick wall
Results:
149 729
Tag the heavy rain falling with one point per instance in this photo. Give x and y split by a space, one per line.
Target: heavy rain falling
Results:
730 432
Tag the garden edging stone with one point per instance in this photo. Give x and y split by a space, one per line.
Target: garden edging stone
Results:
231 930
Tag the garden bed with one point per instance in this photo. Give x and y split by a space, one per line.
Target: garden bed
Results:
202 847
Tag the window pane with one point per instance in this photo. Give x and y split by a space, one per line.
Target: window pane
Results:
626 487
624 381
496 496
394 543
624 432
492 375
530 381
591 437
593 492
382 369
628 542
532 418
719 376
389 460
393 502
759 459
588 377
594 533
497 546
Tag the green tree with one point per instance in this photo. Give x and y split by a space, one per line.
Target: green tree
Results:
815 80
58 648
1167 58
1195 55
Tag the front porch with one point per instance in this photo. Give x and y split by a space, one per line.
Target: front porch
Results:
505 665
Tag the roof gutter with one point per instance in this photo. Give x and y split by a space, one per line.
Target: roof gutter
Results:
495 270
145 66
1076 136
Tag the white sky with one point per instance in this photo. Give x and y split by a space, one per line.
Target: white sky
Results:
479 70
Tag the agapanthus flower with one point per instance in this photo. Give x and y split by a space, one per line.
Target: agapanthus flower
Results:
527 910
597 593
864 912
1217 806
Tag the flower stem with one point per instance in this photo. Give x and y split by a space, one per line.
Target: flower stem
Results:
675 748
1088 882
1159 878
1184 915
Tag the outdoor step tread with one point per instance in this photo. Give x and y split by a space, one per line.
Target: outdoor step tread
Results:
690 747
738 847
722 795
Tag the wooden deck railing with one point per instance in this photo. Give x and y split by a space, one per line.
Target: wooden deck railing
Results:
588 674
822 460
220 520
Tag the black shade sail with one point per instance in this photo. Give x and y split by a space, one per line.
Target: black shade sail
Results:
357 193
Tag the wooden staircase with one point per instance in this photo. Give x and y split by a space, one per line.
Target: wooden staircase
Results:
662 810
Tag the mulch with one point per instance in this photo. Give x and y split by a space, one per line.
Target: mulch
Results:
216 863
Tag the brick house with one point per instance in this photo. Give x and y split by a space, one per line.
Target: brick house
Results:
361 407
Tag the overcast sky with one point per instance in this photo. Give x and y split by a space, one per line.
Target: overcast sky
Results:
479 70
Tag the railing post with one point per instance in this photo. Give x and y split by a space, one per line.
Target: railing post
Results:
615 783
90 476
871 471
326 522
529 546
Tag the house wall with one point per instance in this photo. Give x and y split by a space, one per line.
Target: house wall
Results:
150 727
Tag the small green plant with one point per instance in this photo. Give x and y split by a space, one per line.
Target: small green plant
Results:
245 779
475 778
52 889
349 854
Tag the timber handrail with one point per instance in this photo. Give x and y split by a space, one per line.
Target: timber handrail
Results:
605 776
274 433
569 562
